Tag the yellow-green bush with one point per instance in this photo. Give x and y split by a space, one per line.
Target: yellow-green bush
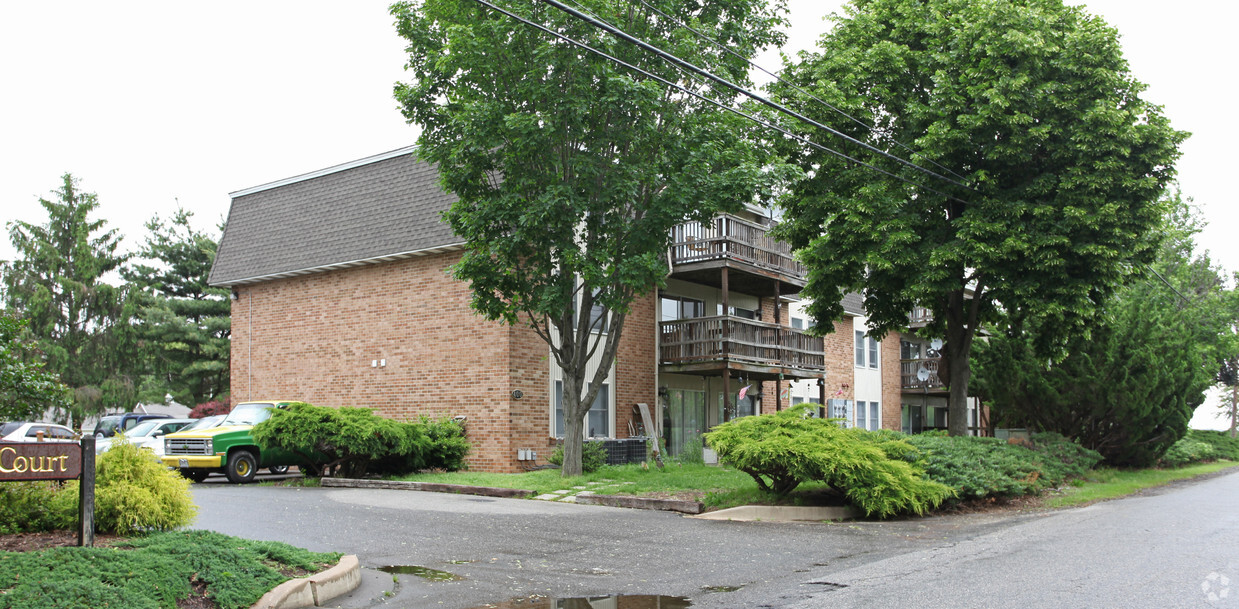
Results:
784 449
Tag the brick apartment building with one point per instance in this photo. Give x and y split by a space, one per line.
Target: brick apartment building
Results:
341 296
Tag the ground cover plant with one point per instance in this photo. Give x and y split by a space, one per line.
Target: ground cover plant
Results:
1201 445
978 467
153 572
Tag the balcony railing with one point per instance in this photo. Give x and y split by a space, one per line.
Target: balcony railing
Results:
910 373
730 238
920 316
706 339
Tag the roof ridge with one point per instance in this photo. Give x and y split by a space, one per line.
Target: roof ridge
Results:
323 172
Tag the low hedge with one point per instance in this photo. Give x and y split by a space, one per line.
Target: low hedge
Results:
979 467
1201 445
354 441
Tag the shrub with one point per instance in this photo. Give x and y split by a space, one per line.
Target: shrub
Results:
1225 446
1188 450
354 441
135 493
593 456
29 506
780 451
978 467
210 409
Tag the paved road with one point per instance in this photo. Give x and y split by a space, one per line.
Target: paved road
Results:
1152 551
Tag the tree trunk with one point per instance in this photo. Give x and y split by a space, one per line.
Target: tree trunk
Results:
574 427
1234 399
959 368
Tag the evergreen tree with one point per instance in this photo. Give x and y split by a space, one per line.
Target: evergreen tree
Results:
1129 387
183 323
77 318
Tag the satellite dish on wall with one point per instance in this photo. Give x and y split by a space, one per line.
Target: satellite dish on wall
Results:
922 374
936 344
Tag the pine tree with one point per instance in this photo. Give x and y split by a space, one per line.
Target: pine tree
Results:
58 282
184 322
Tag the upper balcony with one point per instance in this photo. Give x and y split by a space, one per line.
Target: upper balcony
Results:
920 317
707 346
911 377
700 249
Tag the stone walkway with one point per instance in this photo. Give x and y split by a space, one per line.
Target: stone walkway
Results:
590 488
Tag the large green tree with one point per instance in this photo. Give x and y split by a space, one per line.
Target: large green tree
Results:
1049 168
27 390
1129 387
570 169
59 283
183 323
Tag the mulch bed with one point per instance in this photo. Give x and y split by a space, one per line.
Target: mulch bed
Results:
30 542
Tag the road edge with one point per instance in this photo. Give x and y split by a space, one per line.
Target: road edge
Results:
313 590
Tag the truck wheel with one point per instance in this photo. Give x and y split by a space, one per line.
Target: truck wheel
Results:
197 475
241 467
278 469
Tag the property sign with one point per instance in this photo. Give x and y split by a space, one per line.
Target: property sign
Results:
40 461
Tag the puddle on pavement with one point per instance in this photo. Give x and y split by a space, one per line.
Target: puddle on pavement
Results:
422 572
713 589
623 601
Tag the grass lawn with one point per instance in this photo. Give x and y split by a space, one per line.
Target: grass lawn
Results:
720 487
1106 483
717 487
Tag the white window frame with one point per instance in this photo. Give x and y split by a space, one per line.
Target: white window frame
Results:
868 353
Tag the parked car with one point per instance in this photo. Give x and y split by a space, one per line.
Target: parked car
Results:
112 424
145 434
29 432
229 448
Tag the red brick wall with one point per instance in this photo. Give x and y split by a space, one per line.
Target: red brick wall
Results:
314 338
892 383
840 361
636 364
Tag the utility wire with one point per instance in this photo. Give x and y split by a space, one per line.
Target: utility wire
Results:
775 76
614 31
720 105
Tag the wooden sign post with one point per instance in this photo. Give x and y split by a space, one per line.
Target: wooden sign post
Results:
56 461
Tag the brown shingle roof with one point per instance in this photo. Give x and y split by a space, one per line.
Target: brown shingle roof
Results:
380 208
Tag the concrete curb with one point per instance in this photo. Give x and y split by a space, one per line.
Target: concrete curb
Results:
781 513
642 503
432 487
316 589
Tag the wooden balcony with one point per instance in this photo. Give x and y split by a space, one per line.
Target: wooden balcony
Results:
707 346
920 317
699 250
912 382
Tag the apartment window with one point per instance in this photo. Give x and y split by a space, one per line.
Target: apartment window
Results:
866 351
597 315
677 307
868 415
597 420
802 323
909 350
740 312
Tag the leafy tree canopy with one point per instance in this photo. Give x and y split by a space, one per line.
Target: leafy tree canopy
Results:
1055 165
570 169
1129 388
27 390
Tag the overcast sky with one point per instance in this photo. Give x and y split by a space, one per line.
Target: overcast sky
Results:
152 104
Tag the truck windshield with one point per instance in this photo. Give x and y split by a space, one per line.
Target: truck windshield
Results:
248 414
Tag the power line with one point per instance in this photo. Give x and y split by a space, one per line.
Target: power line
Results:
775 76
720 105
614 31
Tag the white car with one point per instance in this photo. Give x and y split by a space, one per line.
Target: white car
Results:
148 433
29 432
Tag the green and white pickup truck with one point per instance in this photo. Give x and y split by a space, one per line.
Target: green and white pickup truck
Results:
229 448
